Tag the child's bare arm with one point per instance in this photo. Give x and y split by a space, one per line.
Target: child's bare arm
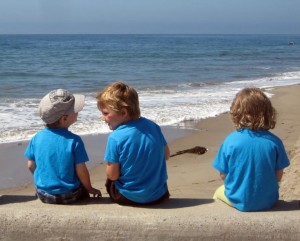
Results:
222 175
84 177
112 171
279 175
31 166
167 152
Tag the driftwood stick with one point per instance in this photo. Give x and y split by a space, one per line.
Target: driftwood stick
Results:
196 150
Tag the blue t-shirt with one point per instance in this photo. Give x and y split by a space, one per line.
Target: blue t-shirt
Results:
139 148
56 153
250 160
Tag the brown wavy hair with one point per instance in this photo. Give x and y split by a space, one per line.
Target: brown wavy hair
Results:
251 108
120 95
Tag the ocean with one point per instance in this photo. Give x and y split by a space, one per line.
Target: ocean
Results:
179 78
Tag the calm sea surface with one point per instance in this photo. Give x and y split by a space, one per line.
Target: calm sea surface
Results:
178 77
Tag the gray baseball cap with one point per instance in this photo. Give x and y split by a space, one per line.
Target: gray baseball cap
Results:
58 103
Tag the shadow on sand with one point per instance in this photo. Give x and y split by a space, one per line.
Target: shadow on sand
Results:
6 199
172 203
284 206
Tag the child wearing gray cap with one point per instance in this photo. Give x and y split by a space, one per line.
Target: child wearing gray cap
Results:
56 156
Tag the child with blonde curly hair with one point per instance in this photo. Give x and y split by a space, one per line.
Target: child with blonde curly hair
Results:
136 150
251 159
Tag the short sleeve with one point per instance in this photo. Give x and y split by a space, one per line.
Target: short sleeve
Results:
80 154
111 152
282 158
220 163
29 153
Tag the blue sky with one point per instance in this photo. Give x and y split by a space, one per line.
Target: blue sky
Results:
150 16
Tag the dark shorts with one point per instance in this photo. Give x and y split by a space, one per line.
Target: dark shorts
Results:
65 198
120 199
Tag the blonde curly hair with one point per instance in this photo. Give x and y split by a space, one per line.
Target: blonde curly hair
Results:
251 108
119 95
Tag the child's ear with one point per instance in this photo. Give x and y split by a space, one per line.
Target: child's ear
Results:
63 119
124 112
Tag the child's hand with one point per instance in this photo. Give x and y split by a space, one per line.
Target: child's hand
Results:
95 192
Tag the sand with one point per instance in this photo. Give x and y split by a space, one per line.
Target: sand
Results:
190 214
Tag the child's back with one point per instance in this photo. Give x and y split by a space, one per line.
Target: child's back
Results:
251 181
142 158
251 159
136 150
56 156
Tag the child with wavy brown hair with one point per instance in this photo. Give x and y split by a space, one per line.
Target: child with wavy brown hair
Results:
251 159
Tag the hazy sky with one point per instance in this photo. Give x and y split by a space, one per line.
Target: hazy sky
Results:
150 16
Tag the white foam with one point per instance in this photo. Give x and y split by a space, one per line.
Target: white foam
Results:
19 119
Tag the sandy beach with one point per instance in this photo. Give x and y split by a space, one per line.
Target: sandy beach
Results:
190 214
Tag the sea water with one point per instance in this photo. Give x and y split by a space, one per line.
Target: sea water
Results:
179 78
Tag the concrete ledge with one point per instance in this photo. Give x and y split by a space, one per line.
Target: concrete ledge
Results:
177 219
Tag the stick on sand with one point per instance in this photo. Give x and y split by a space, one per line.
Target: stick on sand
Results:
196 150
